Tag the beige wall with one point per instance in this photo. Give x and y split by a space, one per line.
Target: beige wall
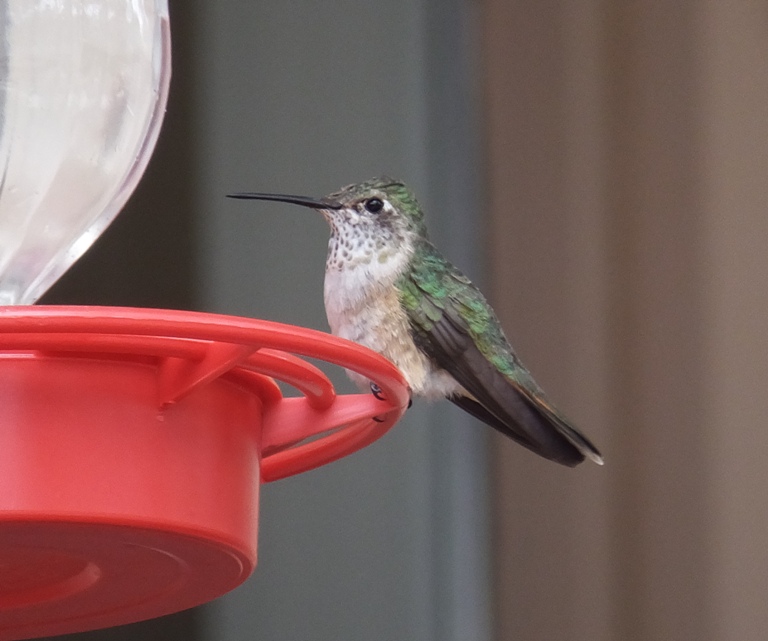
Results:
628 189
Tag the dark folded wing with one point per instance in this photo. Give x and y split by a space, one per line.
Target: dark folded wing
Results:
451 322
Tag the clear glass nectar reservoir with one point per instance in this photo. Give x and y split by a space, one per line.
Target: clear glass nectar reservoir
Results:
83 89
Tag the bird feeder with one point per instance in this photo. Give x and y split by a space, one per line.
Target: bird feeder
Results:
133 442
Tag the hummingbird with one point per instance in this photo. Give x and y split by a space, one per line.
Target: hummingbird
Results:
388 288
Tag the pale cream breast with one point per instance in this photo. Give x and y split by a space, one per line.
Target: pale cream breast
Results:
363 305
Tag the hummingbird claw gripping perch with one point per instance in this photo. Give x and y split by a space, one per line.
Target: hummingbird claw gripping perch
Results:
376 391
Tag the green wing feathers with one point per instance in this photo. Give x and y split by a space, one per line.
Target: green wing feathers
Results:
434 287
455 326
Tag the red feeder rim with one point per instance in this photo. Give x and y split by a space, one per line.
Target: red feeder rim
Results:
132 446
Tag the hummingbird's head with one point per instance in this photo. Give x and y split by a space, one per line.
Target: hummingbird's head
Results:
381 206
377 217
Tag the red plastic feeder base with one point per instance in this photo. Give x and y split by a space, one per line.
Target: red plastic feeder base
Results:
133 444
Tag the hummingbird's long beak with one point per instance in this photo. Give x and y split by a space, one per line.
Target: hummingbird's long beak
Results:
304 201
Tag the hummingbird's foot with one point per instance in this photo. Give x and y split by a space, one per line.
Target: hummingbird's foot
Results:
376 391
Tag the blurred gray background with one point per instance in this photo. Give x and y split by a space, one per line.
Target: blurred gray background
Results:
601 168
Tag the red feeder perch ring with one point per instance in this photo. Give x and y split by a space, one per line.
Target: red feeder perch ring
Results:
132 446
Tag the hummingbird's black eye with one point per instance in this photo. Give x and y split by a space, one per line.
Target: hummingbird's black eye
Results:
373 205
